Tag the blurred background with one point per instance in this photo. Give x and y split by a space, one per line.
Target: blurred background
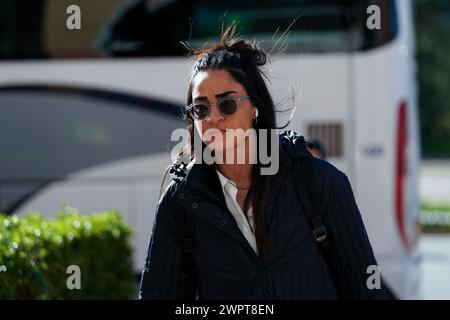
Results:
90 93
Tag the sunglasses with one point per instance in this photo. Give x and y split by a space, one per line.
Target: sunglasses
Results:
227 106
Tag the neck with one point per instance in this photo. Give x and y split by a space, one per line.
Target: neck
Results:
240 174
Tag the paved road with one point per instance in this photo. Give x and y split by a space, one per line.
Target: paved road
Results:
435 280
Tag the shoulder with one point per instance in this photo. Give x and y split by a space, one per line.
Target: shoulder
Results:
169 210
327 173
167 199
329 181
327 178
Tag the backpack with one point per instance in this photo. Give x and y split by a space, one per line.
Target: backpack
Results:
304 185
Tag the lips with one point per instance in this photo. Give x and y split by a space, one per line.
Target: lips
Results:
223 130
210 131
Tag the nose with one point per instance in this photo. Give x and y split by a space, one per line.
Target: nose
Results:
215 116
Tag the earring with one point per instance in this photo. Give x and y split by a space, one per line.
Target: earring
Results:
256 116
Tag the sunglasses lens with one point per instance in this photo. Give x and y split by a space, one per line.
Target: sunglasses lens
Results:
200 111
228 106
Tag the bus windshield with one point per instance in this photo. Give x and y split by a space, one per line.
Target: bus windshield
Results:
144 28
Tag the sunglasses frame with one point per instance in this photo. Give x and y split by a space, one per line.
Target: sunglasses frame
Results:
189 108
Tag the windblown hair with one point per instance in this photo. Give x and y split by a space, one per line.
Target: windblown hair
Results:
243 60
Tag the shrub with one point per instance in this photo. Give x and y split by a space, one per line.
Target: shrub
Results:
435 218
35 253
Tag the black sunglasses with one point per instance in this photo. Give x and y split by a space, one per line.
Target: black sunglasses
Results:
227 106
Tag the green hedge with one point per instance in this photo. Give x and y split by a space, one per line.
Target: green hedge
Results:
435 218
35 253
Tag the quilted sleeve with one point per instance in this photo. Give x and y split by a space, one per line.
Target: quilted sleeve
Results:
353 261
162 273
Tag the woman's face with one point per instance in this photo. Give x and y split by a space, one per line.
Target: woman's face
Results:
212 86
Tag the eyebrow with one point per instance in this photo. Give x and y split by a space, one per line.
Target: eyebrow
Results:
219 95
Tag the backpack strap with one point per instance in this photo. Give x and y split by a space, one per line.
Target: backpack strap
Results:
308 197
306 192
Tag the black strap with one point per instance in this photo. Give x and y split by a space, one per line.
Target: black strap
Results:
306 192
308 197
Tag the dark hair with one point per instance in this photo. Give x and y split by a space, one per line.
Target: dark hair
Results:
242 59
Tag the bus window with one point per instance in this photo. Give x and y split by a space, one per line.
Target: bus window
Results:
321 25
37 29
46 134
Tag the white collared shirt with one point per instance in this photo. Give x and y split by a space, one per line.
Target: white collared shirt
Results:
230 192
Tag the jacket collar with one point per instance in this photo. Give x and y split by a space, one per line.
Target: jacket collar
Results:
292 147
202 178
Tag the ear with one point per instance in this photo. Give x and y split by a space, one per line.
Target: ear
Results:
256 113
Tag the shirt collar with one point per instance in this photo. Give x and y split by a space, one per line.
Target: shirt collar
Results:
224 180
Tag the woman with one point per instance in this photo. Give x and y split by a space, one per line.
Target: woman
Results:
226 231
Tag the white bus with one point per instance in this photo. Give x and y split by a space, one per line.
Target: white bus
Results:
86 115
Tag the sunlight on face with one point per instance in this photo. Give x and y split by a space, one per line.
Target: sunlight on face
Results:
212 86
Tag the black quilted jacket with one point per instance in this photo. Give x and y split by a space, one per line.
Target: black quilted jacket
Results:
227 266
